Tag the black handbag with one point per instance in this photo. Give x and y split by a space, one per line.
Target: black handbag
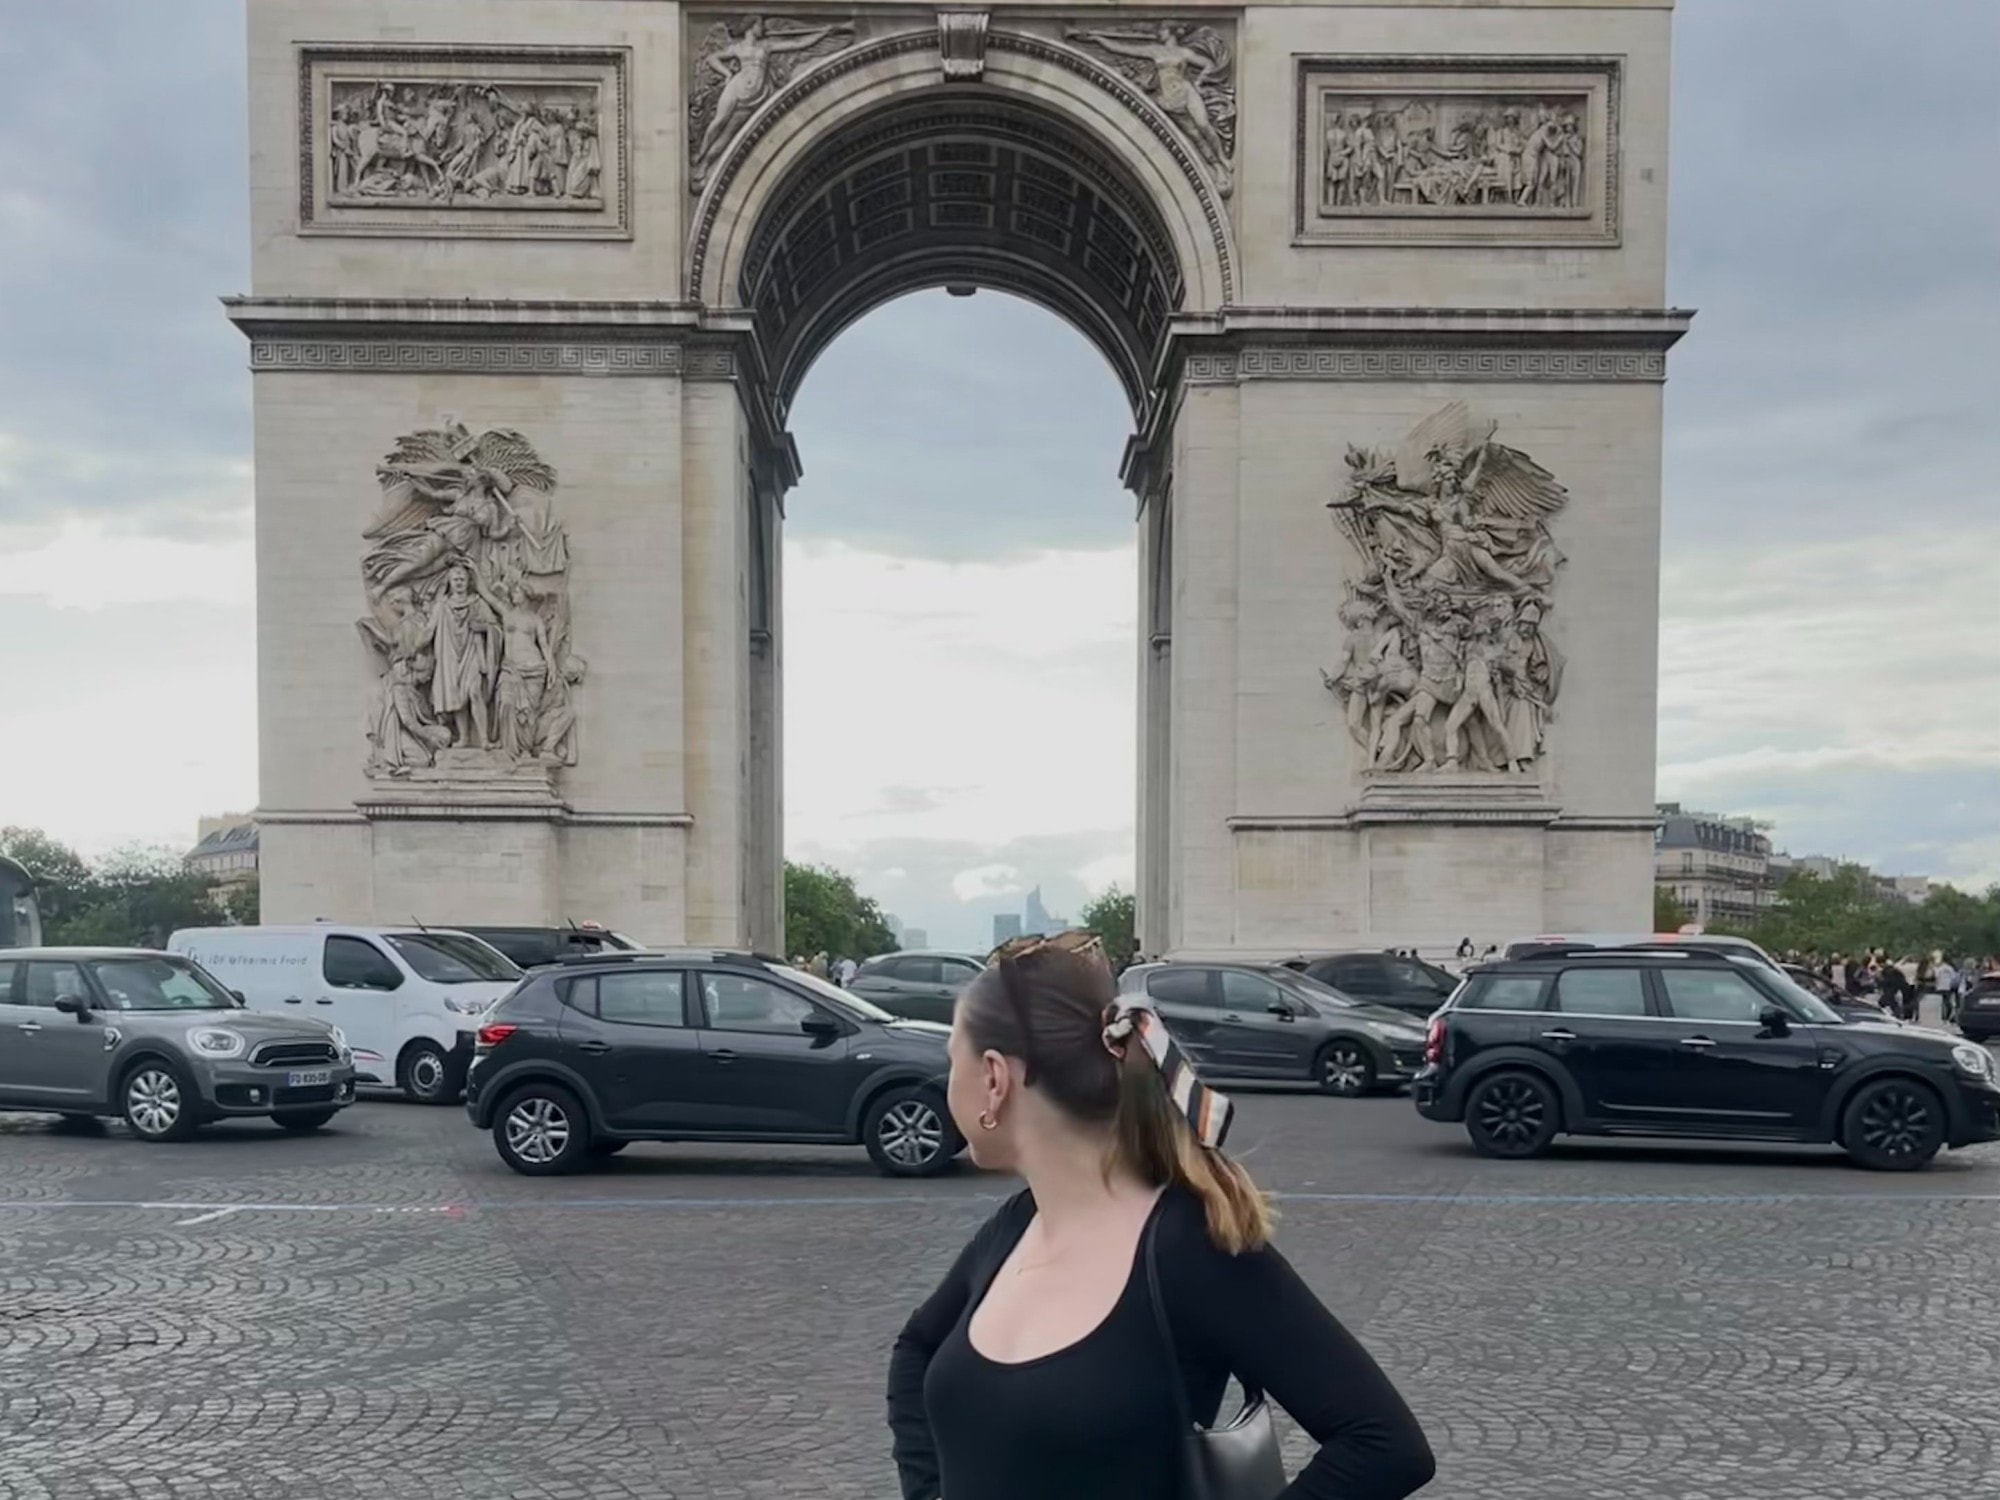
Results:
1236 1461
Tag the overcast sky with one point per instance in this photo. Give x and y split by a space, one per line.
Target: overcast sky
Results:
961 547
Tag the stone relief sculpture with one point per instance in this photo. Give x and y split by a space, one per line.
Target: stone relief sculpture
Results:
1428 152
1446 666
467 578
1189 72
444 142
735 71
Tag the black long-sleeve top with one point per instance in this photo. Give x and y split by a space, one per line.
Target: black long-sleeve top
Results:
1095 1420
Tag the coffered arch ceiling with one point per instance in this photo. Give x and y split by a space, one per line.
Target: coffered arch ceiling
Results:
974 190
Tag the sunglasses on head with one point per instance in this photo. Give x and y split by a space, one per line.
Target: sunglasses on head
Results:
1076 940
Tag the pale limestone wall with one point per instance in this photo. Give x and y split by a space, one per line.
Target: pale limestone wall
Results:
1276 272
284 263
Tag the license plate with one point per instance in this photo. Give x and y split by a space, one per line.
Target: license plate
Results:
306 1078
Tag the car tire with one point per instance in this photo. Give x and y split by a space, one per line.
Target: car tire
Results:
302 1121
541 1130
1893 1125
1344 1069
1512 1115
908 1132
158 1102
426 1073
602 1147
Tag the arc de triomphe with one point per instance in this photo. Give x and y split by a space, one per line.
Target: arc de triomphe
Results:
536 281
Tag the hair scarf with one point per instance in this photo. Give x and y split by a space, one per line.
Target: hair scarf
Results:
1208 1113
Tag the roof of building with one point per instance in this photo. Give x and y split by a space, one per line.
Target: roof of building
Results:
237 838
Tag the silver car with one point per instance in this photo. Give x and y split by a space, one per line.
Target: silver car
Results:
151 1038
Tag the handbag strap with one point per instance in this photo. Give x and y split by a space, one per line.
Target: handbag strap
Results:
1182 1414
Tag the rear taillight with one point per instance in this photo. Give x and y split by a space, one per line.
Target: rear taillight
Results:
493 1034
1433 1040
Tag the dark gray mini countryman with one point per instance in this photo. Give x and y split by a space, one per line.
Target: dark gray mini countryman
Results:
151 1038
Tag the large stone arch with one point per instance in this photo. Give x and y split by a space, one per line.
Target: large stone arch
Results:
531 288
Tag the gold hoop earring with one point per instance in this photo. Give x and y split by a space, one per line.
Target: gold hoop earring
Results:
987 1120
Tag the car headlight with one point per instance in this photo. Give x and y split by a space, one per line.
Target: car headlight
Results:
216 1041
463 1006
1976 1061
342 1053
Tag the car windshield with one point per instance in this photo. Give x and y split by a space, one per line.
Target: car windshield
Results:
846 999
159 984
1809 1006
453 958
1324 993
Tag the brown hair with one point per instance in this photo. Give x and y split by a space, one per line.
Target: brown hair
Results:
1048 1008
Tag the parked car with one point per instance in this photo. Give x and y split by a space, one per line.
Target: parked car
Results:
1265 1021
921 986
1851 1007
1404 984
408 998
148 1036
1690 1042
1738 947
532 947
1979 1017
587 1056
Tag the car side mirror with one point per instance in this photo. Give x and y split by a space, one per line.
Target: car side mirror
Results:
239 997
820 1027
1281 1009
1774 1019
73 1005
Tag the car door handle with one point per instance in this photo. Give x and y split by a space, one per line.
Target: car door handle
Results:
1559 1036
293 1000
593 1047
322 1001
30 1026
1697 1041
723 1056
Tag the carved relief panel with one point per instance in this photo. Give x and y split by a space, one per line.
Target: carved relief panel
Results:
466 572
1447 664
463 141
1519 151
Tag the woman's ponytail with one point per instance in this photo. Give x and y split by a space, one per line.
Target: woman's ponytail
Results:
1156 1143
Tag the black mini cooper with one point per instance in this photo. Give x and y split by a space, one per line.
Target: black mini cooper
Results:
1687 1042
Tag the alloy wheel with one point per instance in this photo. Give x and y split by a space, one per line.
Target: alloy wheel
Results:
1512 1112
1345 1070
911 1133
153 1101
538 1130
1896 1122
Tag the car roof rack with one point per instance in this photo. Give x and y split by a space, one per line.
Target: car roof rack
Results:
641 955
1623 950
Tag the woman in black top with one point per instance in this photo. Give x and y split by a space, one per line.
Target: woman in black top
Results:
1036 1370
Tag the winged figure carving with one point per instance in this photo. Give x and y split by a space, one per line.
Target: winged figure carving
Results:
735 71
1447 665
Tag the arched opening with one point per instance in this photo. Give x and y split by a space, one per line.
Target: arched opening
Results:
995 189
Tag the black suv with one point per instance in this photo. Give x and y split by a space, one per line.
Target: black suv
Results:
591 1054
1686 1042
1405 984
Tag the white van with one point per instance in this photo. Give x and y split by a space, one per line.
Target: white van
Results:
407 999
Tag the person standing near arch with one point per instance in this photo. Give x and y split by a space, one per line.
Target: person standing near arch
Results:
1112 1300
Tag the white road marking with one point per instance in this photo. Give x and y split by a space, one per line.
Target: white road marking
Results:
210 1217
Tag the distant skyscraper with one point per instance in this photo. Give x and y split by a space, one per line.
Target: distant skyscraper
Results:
1005 926
1036 918
916 937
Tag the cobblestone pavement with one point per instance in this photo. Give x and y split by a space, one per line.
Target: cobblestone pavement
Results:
384 1311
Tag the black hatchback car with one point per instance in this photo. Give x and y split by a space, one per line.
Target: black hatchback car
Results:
1691 1043
589 1055
1266 1021
1405 984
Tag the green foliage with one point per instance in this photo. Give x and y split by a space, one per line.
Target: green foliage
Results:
824 913
1113 917
1668 913
136 897
1847 912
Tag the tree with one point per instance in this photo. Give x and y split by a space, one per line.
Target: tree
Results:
242 904
62 880
1668 913
1113 916
136 897
824 913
